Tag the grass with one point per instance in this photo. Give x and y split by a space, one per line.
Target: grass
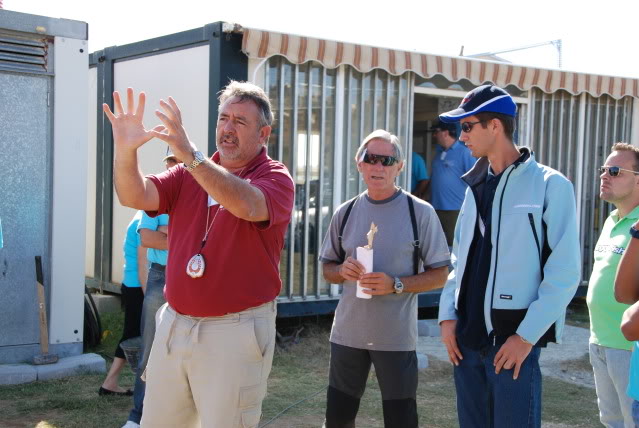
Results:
72 402
303 369
299 372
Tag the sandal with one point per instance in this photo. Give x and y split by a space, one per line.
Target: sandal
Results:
103 391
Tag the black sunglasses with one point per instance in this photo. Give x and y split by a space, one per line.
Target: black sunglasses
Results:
467 126
614 171
373 159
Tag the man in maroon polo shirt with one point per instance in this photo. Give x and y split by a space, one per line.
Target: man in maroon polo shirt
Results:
215 337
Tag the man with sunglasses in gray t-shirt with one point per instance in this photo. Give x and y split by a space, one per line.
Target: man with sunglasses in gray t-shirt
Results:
381 330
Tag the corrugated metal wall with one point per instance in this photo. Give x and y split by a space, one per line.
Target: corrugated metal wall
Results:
316 111
574 134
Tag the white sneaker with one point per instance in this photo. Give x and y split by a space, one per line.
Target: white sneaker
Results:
131 424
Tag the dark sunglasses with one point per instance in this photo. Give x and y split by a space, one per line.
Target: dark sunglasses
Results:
373 159
467 126
614 171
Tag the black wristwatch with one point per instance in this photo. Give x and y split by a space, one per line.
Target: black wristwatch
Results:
634 232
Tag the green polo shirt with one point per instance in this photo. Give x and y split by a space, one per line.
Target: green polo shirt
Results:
605 311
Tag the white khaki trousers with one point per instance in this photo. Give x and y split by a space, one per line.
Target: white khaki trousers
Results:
209 372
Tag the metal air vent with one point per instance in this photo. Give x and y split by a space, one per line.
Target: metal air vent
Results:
23 55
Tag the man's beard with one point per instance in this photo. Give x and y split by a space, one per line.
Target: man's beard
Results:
227 152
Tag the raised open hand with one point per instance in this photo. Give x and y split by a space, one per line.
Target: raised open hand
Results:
173 132
128 129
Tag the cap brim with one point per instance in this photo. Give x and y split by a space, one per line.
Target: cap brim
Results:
454 115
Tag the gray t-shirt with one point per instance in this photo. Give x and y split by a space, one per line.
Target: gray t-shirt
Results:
383 323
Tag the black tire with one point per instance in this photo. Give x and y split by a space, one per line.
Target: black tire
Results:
92 325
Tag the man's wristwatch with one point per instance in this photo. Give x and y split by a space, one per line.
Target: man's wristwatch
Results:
634 232
398 286
198 159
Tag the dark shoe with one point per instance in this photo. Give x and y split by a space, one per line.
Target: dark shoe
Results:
104 391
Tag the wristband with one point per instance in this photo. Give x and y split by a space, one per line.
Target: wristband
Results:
634 232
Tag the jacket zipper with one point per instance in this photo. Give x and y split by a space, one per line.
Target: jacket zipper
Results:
501 203
534 231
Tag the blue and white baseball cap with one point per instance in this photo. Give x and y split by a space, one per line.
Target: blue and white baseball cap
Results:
485 98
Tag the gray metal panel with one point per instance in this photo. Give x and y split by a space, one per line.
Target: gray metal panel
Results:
319 199
25 132
173 42
360 136
348 129
104 171
307 182
280 109
293 162
44 25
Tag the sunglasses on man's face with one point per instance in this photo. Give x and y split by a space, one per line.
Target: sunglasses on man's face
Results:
468 126
614 171
373 159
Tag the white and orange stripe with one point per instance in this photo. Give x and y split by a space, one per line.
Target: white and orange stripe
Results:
297 49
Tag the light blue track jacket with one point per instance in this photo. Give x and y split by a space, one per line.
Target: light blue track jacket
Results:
529 198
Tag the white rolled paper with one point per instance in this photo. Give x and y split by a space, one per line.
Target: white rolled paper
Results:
365 257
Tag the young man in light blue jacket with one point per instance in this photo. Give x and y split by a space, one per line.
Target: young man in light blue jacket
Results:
516 261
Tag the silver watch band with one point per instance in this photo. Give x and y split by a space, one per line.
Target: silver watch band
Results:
198 159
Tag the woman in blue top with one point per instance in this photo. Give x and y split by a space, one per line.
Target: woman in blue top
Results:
132 298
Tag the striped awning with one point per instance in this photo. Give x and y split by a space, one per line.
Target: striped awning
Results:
331 54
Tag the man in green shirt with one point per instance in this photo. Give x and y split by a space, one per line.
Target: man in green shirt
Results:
609 351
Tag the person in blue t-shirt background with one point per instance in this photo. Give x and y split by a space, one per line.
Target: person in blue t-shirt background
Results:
132 297
452 160
419 176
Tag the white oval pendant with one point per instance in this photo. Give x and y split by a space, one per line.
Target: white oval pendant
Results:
195 268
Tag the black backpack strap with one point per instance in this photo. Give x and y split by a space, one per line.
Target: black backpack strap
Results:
342 253
413 221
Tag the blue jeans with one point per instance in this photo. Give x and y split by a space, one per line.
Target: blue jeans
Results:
153 299
635 412
486 399
612 368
